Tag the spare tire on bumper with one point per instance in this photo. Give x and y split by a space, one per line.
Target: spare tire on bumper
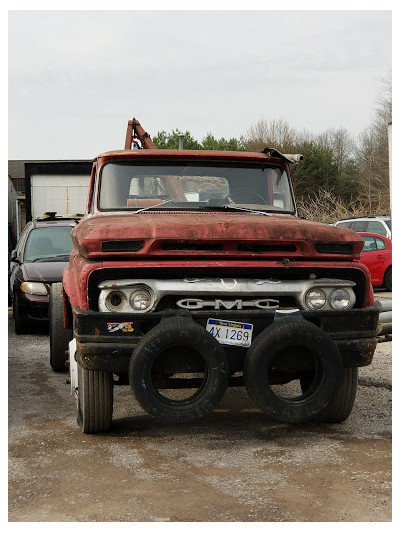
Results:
285 356
178 372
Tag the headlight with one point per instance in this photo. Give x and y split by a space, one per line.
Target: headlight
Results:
34 287
339 299
315 299
141 299
115 301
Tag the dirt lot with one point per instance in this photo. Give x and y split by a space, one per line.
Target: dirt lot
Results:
236 465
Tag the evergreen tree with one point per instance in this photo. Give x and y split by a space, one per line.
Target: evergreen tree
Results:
164 140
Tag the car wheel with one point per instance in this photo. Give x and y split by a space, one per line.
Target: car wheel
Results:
284 357
20 321
95 400
59 336
387 280
178 372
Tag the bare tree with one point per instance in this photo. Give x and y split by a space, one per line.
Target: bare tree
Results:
373 153
341 143
324 206
276 133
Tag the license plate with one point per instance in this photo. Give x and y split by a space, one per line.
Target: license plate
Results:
228 332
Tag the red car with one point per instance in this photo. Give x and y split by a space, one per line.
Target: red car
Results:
377 256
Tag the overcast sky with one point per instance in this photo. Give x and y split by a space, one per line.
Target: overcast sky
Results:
77 77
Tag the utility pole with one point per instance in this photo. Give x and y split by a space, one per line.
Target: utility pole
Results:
390 162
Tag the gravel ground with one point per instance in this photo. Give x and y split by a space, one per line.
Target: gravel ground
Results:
234 466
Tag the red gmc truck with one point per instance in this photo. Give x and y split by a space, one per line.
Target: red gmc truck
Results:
192 272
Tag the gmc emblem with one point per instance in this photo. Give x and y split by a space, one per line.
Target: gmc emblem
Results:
194 304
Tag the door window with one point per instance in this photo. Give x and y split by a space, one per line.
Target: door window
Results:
359 225
380 244
376 227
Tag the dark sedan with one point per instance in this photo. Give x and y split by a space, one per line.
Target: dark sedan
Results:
41 254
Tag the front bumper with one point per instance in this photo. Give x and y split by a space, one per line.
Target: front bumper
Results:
105 341
34 307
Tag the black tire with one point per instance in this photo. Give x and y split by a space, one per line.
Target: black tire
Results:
20 320
95 400
340 408
387 280
164 366
289 353
59 336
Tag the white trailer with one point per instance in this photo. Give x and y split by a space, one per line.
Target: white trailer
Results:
56 186
64 194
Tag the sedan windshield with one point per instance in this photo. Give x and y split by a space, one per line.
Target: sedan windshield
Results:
52 243
192 186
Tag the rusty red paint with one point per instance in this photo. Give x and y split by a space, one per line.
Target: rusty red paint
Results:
226 228
229 229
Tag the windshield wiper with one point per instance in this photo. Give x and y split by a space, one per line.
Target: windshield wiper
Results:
50 259
153 206
59 256
207 207
233 208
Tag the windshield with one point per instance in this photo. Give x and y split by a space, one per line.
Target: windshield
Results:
49 243
191 186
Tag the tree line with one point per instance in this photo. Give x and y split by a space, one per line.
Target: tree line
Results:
340 176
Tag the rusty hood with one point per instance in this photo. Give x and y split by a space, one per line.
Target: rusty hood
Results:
211 233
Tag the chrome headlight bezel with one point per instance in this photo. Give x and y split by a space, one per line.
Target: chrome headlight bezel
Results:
322 296
126 295
336 293
141 293
333 297
117 307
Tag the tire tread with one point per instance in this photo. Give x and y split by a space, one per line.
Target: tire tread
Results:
59 336
170 332
95 404
284 333
340 408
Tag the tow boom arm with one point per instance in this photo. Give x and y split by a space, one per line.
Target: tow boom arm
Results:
135 131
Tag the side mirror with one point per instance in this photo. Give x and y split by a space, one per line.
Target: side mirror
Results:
13 257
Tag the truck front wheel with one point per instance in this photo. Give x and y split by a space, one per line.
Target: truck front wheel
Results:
293 370
178 372
59 336
95 400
